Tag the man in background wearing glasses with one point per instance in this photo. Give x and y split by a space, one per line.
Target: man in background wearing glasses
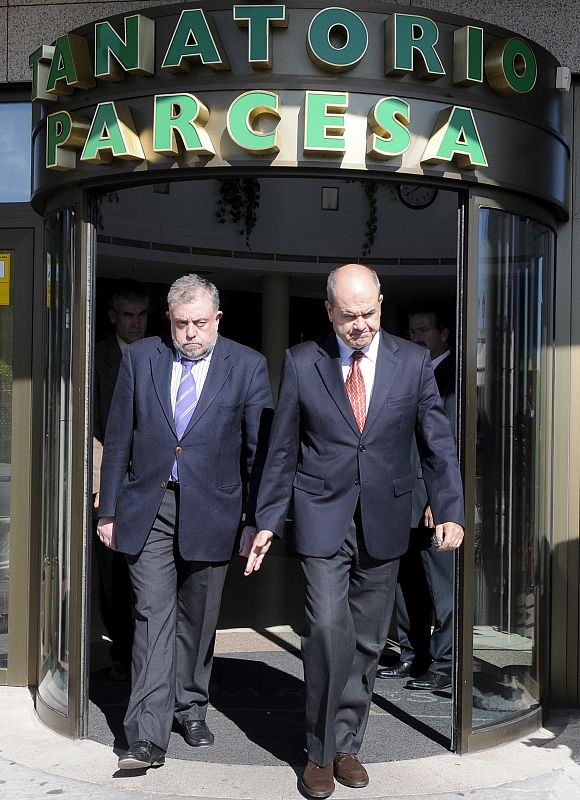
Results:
424 592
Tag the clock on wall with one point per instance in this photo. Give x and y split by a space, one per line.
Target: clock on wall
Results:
416 195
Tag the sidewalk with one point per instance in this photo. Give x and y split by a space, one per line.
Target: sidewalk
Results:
38 763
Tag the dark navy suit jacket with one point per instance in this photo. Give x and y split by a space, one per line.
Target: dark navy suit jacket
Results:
318 456
140 447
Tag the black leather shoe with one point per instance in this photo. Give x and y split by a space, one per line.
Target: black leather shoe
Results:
430 682
402 669
196 733
142 754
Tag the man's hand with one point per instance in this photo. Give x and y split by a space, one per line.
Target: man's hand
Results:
96 500
259 548
106 532
448 536
246 540
428 520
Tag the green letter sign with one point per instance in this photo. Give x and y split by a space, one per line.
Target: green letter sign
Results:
389 121
324 123
65 133
134 53
40 62
181 114
112 134
410 38
194 40
241 116
455 138
258 20
325 54
511 67
71 65
468 56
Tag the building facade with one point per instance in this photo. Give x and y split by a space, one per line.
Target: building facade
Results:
263 145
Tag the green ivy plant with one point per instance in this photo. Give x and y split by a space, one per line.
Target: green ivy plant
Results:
111 197
238 202
371 189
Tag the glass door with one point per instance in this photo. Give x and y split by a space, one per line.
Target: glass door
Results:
508 382
62 608
55 594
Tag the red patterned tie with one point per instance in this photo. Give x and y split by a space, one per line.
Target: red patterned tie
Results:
355 389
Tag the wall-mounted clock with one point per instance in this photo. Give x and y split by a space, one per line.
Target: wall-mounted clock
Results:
416 195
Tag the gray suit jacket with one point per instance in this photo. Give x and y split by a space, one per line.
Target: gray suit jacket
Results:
318 456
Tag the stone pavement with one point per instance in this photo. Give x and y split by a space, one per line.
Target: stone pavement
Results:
38 763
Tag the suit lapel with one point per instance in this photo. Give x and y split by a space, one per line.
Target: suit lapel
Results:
161 373
385 371
330 371
113 358
219 368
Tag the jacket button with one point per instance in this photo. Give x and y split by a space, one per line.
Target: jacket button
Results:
362 448
163 485
178 449
356 483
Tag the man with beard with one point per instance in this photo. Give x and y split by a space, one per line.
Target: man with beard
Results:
171 501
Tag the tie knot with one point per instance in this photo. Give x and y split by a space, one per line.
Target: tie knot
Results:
357 355
186 364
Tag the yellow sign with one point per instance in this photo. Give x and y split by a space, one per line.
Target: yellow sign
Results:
5 266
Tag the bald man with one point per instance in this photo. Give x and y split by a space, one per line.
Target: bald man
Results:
348 409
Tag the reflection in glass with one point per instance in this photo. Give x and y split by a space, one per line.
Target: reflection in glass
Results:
56 463
6 318
15 134
515 260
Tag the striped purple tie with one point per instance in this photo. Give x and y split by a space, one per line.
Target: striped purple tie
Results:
185 404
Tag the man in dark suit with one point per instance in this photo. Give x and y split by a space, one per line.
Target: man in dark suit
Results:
425 586
127 312
181 418
340 447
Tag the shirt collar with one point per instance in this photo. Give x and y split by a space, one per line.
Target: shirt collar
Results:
123 345
370 351
436 361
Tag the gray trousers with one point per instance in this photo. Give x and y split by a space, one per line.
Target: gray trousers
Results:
349 602
177 604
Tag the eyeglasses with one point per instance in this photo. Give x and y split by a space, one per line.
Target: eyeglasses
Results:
413 332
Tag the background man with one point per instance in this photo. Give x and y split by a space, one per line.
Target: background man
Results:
171 500
426 574
128 308
340 446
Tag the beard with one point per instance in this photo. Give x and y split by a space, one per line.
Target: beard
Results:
195 355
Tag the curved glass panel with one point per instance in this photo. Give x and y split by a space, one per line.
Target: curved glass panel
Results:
55 588
514 318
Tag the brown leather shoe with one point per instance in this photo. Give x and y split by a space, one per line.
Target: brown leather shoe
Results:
349 771
317 781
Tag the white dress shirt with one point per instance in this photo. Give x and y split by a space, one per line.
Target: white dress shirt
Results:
436 361
367 364
199 370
